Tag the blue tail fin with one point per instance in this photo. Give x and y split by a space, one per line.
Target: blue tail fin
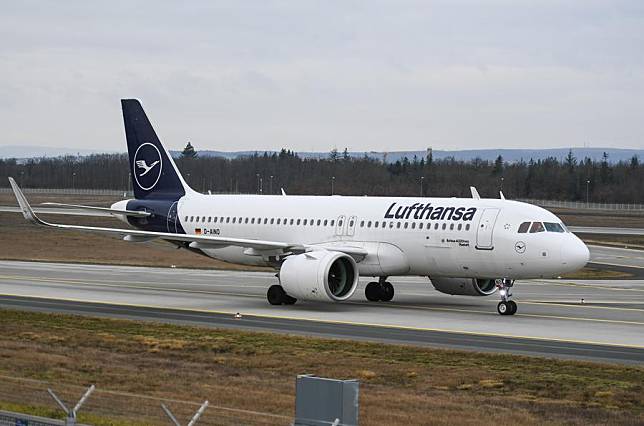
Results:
154 174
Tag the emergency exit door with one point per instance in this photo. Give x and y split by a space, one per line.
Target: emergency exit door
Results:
485 230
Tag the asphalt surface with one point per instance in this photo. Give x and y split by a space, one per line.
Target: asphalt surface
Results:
592 320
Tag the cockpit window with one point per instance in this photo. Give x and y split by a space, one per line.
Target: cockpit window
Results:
523 228
536 227
553 227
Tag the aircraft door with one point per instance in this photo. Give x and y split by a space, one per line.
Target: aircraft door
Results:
340 224
351 226
485 230
172 218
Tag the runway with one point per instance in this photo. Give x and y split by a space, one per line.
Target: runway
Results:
552 320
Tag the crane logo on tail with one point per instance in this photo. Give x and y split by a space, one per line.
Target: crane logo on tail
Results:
146 159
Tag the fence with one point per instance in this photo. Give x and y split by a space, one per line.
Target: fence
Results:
580 205
114 407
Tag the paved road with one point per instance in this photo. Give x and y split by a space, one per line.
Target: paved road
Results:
552 320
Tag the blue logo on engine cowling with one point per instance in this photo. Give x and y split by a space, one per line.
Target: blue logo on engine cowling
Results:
147 166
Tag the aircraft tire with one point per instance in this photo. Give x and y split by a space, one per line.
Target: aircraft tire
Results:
276 295
503 308
387 292
513 307
372 292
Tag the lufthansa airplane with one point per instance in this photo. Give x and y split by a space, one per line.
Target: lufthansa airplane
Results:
321 245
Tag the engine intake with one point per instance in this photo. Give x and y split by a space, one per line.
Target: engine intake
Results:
464 286
319 275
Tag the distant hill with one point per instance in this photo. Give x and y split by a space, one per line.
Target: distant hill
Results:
35 151
509 155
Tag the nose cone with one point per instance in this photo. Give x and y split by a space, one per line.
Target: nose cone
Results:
575 254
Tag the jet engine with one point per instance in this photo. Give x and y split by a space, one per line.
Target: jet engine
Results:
464 286
328 276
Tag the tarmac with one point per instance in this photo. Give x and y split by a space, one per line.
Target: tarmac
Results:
598 320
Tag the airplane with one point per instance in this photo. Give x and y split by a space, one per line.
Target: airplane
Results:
321 245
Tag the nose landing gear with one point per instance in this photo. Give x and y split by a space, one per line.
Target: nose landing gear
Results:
506 306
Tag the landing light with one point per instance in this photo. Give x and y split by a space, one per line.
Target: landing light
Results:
502 292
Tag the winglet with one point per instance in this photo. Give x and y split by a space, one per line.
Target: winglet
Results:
501 194
27 211
475 193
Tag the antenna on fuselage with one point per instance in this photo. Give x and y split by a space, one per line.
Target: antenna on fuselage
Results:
475 193
283 192
501 194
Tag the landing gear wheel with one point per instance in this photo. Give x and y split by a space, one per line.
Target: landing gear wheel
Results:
387 292
503 308
372 292
277 296
513 307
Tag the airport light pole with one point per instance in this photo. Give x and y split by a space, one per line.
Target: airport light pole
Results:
422 178
74 180
502 179
332 184
270 186
587 191
261 185
257 176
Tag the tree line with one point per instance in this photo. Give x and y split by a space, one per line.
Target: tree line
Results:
567 179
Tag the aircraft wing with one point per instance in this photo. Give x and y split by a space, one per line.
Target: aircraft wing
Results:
80 209
197 241
605 230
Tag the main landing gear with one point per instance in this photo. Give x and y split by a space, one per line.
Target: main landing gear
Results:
277 296
506 306
379 291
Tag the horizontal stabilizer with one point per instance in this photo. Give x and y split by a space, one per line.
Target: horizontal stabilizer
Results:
107 210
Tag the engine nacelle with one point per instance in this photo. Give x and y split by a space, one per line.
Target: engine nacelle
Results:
328 276
464 286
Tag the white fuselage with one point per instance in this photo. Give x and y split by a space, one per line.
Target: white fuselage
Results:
475 238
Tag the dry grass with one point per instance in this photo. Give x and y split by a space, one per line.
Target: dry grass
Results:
256 371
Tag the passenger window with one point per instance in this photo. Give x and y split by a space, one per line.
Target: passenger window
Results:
460 226
435 226
369 224
391 224
362 224
553 227
420 225
413 225
375 224
246 220
406 225
325 222
312 222
292 221
350 223
332 222
398 225
265 220
444 226
523 228
339 223
203 219
186 219
319 221
234 219
451 226
536 227
252 221
227 220
298 221
467 227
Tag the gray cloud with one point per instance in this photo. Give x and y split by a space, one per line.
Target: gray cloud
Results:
379 75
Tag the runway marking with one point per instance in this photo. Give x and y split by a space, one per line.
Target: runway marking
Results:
617 264
326 321
579 305
593 286
65 281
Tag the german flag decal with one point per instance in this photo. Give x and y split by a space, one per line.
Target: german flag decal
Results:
198 231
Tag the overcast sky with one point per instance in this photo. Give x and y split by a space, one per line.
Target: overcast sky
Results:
311 75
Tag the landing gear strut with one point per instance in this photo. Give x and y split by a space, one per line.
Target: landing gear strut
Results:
506 306
379 291
277 296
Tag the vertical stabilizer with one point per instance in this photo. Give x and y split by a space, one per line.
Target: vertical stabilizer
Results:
154 173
